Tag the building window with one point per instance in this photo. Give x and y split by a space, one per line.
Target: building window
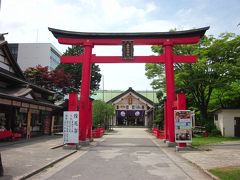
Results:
216 117
117 107
143 107
133 107
127 107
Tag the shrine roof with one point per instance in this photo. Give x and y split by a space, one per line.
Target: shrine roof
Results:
137 35
130 90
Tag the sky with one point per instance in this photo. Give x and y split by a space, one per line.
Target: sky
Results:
27 21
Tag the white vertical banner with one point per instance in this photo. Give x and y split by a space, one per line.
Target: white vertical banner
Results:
70 127
183 126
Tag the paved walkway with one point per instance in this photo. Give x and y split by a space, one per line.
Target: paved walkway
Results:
214 156
145 151
20 159
131 154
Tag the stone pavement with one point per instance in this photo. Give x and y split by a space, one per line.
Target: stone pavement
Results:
21 159
214 156
209 157
24 158
129 153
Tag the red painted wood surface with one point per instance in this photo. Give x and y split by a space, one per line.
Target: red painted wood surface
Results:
165 120
85 92
89 127
137 59
170 89
181 105
181 101
72 101
143 41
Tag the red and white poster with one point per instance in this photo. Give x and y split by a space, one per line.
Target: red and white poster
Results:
183 126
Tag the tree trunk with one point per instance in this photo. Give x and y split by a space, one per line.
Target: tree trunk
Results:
203 114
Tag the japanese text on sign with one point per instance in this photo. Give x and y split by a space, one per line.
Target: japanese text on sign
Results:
70 126
127 49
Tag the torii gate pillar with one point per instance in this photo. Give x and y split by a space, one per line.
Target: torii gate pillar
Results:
85 92
170 88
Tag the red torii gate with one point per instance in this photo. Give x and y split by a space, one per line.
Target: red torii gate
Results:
89 40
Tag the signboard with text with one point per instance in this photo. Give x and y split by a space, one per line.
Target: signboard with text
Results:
70 126
127 49
183 126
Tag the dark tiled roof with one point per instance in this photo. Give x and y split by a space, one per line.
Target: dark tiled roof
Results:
23 99
91 35
13 63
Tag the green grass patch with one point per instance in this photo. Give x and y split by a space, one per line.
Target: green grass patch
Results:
227 173
199 141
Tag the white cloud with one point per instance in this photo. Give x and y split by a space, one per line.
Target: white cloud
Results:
150 7
28 20
153 26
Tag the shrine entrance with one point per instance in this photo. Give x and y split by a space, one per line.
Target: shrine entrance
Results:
130 117
128 40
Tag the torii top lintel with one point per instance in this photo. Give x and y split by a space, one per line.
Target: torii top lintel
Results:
142 38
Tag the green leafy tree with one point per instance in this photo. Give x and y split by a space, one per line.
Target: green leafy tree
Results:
75 70
102 113
159 110
227 95
217 68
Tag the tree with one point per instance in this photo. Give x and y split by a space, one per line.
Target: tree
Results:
60 80
159 111
227 95
75 70
39 75
217 67
102 113
56 80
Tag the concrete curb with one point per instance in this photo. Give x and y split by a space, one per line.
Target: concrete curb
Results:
28 175
58 146
211 175
204 170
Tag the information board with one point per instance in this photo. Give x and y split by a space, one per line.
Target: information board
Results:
183 126
70 126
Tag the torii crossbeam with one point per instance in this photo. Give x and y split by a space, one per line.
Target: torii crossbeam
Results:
90 39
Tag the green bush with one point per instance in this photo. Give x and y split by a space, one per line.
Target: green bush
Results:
212 129
215 132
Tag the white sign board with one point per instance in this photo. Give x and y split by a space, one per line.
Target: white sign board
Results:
70 126
183 126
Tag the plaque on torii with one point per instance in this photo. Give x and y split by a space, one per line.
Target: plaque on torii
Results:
90 39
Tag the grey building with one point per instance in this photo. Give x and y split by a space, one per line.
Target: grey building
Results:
33 54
